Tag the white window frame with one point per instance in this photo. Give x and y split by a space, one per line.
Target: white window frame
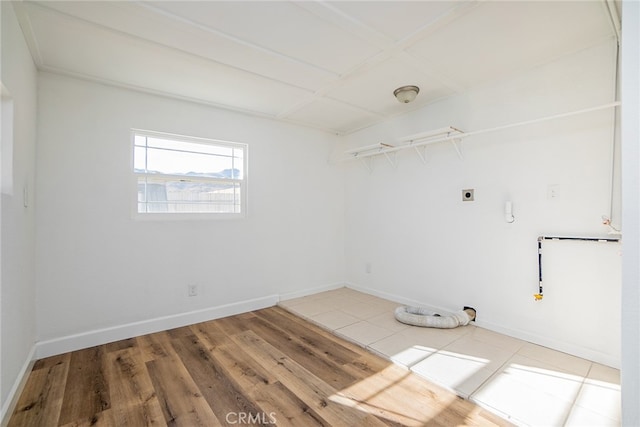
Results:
189 215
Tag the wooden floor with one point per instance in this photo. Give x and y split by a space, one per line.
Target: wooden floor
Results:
266 367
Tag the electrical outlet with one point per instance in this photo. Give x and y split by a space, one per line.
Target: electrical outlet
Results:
467 195
192 290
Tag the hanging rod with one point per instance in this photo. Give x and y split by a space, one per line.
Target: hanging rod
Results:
432 135
456 134
544 119
449 134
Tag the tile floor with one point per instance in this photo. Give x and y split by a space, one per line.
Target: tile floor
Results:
522 382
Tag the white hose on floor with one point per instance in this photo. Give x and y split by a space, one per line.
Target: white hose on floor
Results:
419 316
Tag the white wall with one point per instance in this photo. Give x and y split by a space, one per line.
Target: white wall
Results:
425 245
630 88
17 281
99 268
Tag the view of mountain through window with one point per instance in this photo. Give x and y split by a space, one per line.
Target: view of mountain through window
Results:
189 175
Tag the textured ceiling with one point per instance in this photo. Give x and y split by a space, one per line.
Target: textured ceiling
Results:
326 65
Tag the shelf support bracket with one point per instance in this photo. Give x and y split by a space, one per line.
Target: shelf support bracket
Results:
457 144
392 158
367 162
422 153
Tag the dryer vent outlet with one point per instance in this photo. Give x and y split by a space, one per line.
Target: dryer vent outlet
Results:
467 195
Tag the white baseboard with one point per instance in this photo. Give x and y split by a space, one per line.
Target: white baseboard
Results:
92 338
396 298
102 336
565 347
585 353
310 291
9 405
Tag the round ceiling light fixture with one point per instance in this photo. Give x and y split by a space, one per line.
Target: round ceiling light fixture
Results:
406 94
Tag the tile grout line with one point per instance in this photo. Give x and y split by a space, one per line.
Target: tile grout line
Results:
575 399
494 374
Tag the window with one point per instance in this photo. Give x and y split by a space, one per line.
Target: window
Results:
178 174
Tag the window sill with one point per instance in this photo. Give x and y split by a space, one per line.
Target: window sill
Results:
187 216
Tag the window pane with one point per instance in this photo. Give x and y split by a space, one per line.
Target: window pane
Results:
170 157
186 163
139 159
157 195
238 163
140 140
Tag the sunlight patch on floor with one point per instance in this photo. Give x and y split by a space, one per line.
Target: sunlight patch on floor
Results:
412 355
450 369
394 387
525 383
532 394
